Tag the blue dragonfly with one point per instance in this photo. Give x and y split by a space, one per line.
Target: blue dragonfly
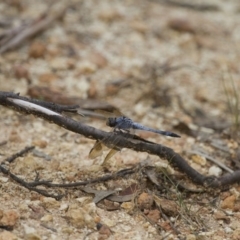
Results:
123 124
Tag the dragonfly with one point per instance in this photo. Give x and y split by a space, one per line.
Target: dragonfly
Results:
121 123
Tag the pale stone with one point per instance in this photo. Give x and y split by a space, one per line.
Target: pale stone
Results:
47 218
5 235
215 171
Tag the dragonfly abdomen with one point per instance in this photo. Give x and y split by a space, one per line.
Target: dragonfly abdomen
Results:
141 127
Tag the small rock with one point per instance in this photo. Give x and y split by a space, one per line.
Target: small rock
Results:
139 26
229 202
92 91
191 237
165 167
154 215
234 224
37 50
98 59
5 235
48 77
109 15
37 211
219 215
30 233
64 206
3 179
84 200
199 160
9 218
87 67
40 143
68 230
181 25
140 109
215 171
47 218
166 226
104 231
21 72
235 235
145 201
59 63
127 205
82 216
228 230
169 207
49 202
111 206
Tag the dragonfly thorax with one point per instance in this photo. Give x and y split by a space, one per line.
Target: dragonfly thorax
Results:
120 123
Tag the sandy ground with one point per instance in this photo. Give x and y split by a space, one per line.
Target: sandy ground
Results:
159 64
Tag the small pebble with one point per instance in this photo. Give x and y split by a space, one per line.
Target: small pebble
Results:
215 171
5 235
145 201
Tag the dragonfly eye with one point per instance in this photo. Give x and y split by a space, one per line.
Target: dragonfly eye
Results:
111 122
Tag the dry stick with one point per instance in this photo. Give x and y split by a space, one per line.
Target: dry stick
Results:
30 30
121 173
189 5
32 186
28 186
27 106
19 154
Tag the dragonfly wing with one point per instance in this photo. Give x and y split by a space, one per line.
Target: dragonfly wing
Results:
111 153
96 151
108 114
114 140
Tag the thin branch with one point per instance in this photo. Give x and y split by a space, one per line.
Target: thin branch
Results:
27 185
35 107
19 154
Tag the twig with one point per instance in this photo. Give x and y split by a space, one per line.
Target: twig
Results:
30 106
18 35
19 154
189 5
27 185
32 186
105 178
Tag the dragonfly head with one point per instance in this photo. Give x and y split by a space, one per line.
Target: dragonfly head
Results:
111 122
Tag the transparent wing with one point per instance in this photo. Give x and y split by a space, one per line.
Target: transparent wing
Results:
100 113
97 149
107 114
111 153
